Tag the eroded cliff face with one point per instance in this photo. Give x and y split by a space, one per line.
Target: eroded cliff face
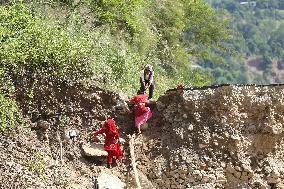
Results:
223 137
214 137
42 154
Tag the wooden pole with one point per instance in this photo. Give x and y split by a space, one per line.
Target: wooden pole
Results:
132 155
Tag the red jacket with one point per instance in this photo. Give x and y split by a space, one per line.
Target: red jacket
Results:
111 138
140 107
139 99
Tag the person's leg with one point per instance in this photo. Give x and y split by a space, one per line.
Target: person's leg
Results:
109 159
118 155
151 91
142 87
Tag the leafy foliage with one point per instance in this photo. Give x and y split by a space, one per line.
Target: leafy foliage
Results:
32 47
9 113
37 164
260 25
103 41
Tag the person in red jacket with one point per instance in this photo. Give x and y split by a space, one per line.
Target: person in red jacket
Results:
111 140
141 112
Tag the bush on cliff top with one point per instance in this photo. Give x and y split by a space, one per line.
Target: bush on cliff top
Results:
104 39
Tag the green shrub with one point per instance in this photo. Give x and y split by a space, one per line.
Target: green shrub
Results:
37 164
9 113
33 47
108 39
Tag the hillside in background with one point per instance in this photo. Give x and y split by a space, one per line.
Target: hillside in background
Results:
260 27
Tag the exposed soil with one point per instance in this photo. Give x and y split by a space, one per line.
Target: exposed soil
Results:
212 137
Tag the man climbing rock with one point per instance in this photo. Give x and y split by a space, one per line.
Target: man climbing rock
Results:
111 140
147 80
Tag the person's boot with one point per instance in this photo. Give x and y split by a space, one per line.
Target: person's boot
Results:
109 166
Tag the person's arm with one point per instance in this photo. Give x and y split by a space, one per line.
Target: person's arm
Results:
101 131
142 77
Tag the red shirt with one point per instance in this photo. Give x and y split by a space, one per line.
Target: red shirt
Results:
111 138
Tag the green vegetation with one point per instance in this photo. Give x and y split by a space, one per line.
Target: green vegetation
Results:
260 24
9 113
105 42
37 164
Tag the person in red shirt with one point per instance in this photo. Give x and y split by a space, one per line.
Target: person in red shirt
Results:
111 140
141 112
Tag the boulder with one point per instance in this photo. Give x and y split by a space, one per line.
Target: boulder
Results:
94 149
109 181
43 124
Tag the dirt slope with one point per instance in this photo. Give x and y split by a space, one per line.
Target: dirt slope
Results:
212 137
32 157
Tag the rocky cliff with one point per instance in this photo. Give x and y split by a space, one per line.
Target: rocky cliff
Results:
213 137
216 137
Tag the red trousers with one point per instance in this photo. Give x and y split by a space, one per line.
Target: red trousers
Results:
112 153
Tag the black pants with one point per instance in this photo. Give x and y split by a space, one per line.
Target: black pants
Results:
151 88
